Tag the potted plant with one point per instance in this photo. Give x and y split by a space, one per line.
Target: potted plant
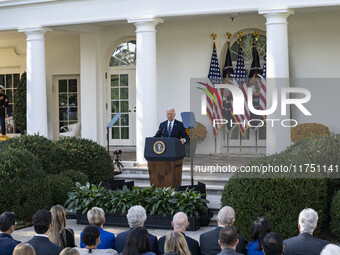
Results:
160 204
198 135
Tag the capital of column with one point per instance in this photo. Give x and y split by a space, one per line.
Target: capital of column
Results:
276 16
145 24
35 33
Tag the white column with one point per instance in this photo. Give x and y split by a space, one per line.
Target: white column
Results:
146 82
278 137
36 81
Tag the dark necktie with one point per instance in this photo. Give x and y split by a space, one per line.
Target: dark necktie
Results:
169 129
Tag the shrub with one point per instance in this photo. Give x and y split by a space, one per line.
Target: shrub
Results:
23 185
335 214
60 185
76 176
47 151
86 156
305 130
19 114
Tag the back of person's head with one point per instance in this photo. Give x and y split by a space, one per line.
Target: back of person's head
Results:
24 249
58 224
330 249
226 216
272 244
137 242
7 219
175 242
228 236
42 220
90 235
96 216
136 216
180 221
261 227
308 219
69 251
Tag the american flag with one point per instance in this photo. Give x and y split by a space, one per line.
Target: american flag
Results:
263 89
240 80
213 111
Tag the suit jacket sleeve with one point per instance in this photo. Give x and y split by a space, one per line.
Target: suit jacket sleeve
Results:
241 247
183 133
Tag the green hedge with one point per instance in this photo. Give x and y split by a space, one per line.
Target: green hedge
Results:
280 200
23 183
75 176
335 214
86 156
60 185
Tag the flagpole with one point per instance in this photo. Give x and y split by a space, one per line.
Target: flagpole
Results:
256 140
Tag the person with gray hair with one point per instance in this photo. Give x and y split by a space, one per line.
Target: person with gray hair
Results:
180 223
96 216
209 240
136 217
331 249
305 242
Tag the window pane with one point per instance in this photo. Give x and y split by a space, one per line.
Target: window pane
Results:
63 114
125 132
62 85
9 81
115 133
124 93
72 85
114 93
124 119
63 100
114 107
9 110
234 134
63 124
2 79
16 78
9 94
73 113
73 99
262 133
124 106
117 122
124 80
114 80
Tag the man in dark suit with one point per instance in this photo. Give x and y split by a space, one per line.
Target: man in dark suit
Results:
209 240
272 244
172 127
7 226
42 220
180 223
305 243
228 241
136 217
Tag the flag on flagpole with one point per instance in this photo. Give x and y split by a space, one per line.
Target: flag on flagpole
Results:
214 111
263 86
240 80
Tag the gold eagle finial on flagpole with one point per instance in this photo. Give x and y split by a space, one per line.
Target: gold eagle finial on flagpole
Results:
228 35
213 36
239 35
256 35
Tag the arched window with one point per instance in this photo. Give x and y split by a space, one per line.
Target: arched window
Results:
124 54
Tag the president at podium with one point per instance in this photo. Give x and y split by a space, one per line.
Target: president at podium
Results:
172 127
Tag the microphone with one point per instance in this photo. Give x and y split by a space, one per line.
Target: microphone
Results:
163 131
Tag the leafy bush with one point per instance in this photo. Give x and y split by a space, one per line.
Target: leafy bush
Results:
23 185
19 112
335 214
155 200
47 151
75 176
305 130
86 156
60 185
280 200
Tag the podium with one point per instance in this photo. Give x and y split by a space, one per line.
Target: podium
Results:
165 160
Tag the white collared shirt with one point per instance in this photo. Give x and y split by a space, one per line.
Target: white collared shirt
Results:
41 235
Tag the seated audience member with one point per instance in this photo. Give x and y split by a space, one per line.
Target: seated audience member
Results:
261 227
69 251
209 240
305 243
7 226
331 249
23 249
59 234
96 216
91 239
228 241
180 223
272 244
175 244
136 217
138 243
42 220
